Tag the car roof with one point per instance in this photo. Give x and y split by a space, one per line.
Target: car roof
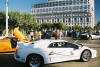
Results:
47 40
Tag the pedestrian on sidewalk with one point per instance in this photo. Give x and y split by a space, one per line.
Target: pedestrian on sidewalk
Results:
31 35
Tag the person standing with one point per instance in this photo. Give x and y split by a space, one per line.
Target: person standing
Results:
55 34
66 33
60 34
31 35
39 37
77 34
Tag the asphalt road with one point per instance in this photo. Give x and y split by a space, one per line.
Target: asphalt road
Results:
7 60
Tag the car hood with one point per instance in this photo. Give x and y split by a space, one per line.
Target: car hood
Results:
22 44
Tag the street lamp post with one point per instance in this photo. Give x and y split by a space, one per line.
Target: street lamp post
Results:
7 17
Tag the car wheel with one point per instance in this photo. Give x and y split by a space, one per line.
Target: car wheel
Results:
85 56
34 61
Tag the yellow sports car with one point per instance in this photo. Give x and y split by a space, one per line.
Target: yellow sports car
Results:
8 44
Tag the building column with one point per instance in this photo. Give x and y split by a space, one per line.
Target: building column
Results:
73 20
85 22
62 19
89 19
79 20
41 21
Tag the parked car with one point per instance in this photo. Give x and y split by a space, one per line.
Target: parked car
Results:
52 51
91 37
8 44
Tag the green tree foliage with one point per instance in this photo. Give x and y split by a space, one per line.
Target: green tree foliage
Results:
46 25
24 20
59 25
96 28
77 28
87 28
98 24
2 19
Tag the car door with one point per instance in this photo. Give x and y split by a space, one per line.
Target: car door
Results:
59 52
95 36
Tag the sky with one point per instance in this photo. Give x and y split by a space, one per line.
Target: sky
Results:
25 6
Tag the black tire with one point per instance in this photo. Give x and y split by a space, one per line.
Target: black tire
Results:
34 61
86 55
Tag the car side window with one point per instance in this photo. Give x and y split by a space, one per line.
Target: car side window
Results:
62 45
70 45
53 45
56 45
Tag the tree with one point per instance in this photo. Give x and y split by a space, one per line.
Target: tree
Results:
98 24
53 25
87 28
24 20
77 27
46 25
13 19
2 20
96 28
59 25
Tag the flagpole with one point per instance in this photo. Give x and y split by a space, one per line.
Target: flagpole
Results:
58 12
7 17
71 18
71 21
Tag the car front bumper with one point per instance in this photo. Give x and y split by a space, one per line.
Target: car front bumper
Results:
94 54
18 58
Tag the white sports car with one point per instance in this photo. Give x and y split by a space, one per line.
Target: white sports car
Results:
52 51
91 37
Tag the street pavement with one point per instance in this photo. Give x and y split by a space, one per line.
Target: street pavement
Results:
7 60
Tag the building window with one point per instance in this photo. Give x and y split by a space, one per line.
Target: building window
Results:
42 20
81 19
75 20
63 19
58 20
52 20
69 20
87 19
